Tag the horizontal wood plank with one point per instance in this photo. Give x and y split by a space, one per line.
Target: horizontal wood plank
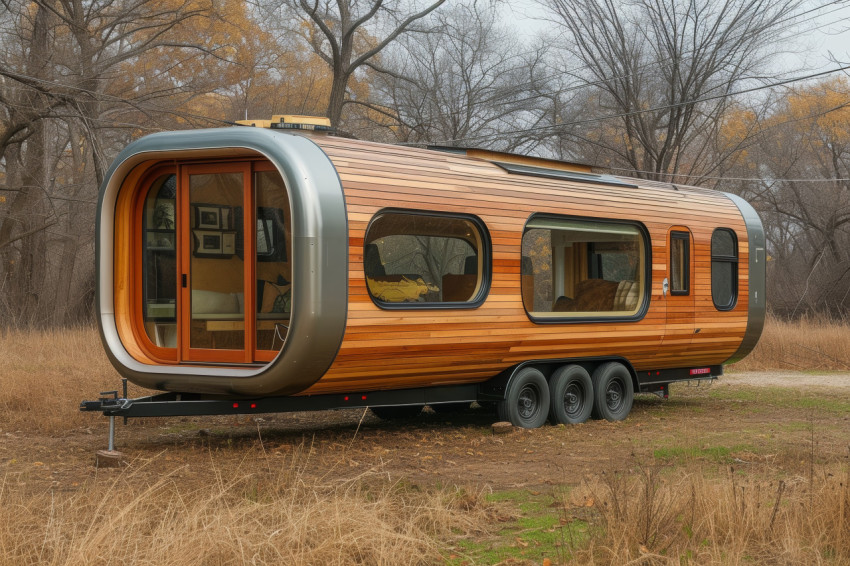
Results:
422 347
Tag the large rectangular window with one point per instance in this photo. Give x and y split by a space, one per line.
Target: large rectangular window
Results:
583 268
415 259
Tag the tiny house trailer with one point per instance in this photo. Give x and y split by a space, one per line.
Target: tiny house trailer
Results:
279 268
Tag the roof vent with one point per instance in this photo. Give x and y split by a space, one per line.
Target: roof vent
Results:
563 175
291 122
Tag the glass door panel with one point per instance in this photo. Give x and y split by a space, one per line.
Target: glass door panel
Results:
215 320
272 262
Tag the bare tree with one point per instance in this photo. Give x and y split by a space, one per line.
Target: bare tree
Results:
71 72
665 70
804 157
468 80
348 34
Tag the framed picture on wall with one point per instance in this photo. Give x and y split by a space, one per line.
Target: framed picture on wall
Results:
207 217
209 243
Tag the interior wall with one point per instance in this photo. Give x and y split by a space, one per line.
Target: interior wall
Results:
224 274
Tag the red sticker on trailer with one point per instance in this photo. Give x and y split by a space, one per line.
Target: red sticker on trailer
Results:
700 371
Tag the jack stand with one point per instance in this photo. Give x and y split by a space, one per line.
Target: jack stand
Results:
124 386
109 458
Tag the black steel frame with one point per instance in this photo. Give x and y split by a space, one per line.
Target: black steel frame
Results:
193 404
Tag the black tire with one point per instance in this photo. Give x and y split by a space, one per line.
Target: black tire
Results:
526 403
571 395
397 412
613 392
450 408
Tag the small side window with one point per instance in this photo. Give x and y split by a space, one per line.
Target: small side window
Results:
724 269
680 263
576 269
159 262
414 259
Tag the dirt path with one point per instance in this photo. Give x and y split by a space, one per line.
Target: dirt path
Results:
787 379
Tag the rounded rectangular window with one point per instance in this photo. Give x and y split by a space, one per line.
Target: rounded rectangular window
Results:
724 269
574 269
413 259
680 259
159 262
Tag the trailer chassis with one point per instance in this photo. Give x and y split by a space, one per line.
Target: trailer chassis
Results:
493 390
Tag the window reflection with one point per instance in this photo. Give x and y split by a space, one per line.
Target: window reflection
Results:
724 269
415 258
159 278
574 268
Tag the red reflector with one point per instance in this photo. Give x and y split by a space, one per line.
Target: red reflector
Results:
363 398
235 405
345 398
253 405
700 371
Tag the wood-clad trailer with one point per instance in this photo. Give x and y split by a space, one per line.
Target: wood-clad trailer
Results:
394 277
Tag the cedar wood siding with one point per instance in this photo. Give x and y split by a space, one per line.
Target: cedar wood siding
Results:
390 349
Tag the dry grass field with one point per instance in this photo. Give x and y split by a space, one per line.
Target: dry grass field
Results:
737 473
806 345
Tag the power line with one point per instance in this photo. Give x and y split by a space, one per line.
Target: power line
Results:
644 111
139 105
716 178
518 88
641 68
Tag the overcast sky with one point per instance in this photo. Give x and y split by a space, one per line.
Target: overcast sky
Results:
821 32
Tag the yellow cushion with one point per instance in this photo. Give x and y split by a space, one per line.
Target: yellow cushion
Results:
401 289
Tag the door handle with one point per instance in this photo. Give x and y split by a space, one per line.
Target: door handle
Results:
665 286
184 280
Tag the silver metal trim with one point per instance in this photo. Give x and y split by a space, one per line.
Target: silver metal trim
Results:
319 257
756 272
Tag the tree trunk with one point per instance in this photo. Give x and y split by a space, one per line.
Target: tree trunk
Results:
337 98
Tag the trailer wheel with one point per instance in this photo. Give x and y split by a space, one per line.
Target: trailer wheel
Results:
613 392
397 412
571 393
526 403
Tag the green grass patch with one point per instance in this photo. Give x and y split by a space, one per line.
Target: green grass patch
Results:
785 397
541 529
823 404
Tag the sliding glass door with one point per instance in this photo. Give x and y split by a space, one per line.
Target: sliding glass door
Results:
215 281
